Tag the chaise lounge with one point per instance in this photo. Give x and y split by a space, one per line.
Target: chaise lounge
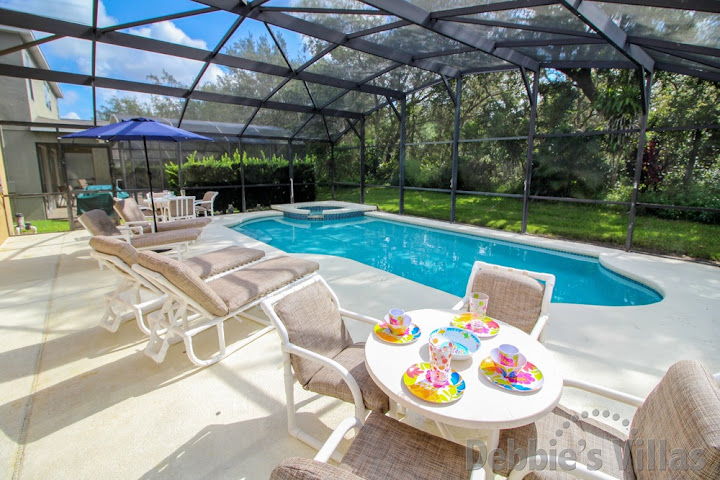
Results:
194 306
97 222
135 297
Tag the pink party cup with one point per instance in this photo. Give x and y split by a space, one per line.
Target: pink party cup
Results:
440 354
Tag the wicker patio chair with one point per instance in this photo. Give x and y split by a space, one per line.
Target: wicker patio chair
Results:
681 416
135 297
194 306
385 449
132 215
319 353
518 297
97 222
207 204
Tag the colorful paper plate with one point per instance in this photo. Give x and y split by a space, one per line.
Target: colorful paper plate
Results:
529 379
489 329
383 332
466 342
415 379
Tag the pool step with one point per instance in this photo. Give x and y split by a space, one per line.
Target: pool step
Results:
315 216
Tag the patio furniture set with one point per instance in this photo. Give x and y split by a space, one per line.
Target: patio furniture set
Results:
514 416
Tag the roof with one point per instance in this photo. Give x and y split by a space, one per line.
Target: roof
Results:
321 65
37 55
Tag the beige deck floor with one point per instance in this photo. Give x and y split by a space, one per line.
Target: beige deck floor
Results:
79 402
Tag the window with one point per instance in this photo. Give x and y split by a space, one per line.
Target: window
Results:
29 63
48 96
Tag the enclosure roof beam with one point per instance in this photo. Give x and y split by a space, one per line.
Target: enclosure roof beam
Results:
712 6
60 27
518 26
599 21
155 89
492 7
682 47
304 27
459 33
34 43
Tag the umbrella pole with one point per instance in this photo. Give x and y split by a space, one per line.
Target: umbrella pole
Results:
152 199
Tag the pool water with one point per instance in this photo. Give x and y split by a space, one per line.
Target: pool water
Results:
443 259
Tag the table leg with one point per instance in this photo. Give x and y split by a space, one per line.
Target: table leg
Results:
445 432
491 442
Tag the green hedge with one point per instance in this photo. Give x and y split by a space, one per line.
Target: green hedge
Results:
202 173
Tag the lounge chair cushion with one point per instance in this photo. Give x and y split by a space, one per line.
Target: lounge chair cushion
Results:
238 288
116 247
199 222
684 411
219 261
129 210
183 277
98 222
298 468
327 381
159 239
514 298
607 444
386 449
313 322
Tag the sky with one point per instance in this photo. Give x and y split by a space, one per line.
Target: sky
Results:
74 55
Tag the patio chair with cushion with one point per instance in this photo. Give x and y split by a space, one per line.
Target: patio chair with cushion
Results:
194 306
675 433
135 297
518 297
132 215
207 204
385 449
319 353
97 222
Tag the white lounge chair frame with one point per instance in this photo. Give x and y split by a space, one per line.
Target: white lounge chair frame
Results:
538 331
183 317
289 348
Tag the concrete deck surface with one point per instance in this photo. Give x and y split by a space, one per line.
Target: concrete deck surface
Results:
80 402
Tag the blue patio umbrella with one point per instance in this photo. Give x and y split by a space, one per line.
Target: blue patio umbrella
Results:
140 129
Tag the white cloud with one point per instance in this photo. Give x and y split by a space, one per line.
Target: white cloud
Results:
78 11
71 116
168 32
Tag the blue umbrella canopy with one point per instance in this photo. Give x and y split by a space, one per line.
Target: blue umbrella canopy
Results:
140 129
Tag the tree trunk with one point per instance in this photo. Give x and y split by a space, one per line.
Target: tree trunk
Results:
693 158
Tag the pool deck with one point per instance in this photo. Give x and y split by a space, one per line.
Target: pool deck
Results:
80 402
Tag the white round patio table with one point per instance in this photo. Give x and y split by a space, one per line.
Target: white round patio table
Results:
484 406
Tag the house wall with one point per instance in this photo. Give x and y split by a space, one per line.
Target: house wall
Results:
22 168
14 104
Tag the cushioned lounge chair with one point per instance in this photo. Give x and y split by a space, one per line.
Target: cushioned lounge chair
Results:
97 222
132 215
518 297
195 306
135 297
318 351
384 449
679 419
207 204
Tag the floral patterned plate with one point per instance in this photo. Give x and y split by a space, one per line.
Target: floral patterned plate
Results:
466 342
415 379
464 320
383 332
529 379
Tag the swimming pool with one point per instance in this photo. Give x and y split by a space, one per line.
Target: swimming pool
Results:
443 259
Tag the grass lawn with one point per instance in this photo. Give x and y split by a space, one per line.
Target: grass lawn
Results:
597 224
49 226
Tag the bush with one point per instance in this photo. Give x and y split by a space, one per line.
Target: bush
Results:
208 172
